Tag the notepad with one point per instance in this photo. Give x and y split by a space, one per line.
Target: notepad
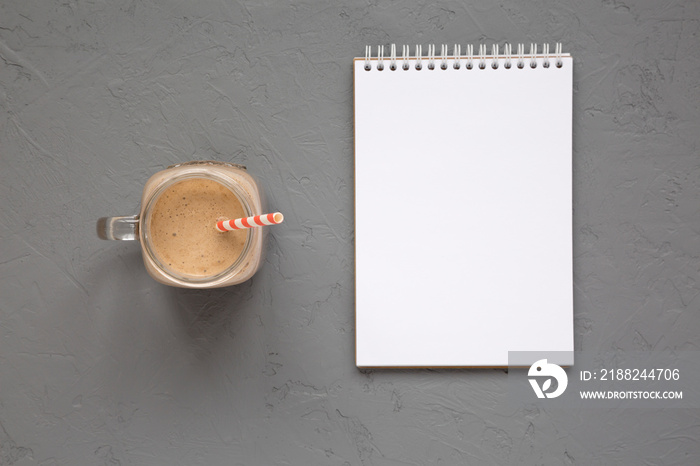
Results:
463 207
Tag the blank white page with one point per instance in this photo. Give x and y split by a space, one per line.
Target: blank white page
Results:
463 213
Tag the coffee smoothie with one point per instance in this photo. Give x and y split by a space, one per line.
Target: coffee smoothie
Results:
182 228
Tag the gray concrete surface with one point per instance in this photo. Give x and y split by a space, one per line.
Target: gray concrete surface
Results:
101 365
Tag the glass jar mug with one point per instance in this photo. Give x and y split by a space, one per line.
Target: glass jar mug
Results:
176 225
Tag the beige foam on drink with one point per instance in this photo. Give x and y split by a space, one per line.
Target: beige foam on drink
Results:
182 228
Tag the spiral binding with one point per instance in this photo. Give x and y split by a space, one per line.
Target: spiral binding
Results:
495 58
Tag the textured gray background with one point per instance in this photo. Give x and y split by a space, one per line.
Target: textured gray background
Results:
101 365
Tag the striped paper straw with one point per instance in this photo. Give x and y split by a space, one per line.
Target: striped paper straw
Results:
249 222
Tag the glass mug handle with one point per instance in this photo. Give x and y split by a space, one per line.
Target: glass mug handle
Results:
118 228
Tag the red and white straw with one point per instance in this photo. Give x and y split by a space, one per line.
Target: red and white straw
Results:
249 222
